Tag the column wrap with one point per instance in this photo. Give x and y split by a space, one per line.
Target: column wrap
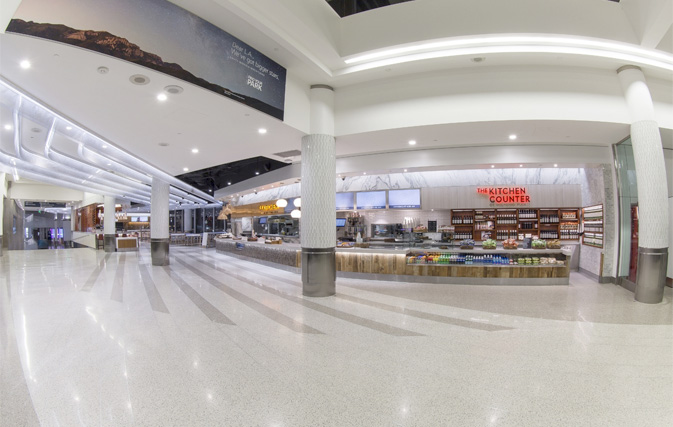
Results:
159 233
110 244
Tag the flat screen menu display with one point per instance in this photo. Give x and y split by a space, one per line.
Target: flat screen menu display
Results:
371 200
340 222
262 220
404 199
344 201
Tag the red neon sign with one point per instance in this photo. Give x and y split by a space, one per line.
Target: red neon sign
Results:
505 195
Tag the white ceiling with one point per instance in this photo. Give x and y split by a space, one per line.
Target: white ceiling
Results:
306 37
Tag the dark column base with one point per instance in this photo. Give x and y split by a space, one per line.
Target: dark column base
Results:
318 272
651 276
110 244
159 250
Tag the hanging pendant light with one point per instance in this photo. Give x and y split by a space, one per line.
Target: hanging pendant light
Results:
281 203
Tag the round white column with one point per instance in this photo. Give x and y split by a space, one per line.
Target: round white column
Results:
318 197
652 187
159 234
187 218
2 209
110 243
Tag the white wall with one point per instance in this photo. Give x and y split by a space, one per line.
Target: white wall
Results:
37 191
398 24
483 94
90 198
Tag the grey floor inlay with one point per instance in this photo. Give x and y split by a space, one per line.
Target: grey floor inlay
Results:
206 308
88 285
395 309
351 318
258 307
153 294
117 293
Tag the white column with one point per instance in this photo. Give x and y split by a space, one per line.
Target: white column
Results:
652 187
318 196
187 217
159 234
109 224
3 192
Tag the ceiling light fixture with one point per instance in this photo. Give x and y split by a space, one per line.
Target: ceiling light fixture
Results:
520 166
185 169
228 183
261 131
555 165
472 46
256 172
492 166
412 142
25 64
281 203
8 127
68 128
512 137
195 150
162 97
405 170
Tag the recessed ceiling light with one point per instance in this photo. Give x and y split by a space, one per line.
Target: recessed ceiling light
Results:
104 146
195 150
412 142
256 173
139 79
520 166
261 131
163 144
109 164
8 127
555 165
185 169
478 59
364 173
103 70
228 183
210 191
68 128
405 170
162 97
492 166
25 64
512 137
173 89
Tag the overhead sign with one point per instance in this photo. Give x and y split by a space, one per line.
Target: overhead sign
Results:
162 36
265 208
32 204
505 195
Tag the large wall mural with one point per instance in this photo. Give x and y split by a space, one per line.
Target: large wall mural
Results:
164 37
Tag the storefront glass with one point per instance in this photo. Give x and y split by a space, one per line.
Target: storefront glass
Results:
628 210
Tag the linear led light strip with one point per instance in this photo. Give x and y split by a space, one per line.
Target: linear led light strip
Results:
515 44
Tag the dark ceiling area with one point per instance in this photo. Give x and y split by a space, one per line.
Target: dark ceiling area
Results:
211 179
351 7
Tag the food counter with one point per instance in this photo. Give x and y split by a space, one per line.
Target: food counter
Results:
458 266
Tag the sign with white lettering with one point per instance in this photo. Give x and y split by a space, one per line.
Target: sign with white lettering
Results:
160 35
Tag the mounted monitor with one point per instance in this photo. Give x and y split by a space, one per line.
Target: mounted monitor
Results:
341 222
262 220
404 199
345 201
371 200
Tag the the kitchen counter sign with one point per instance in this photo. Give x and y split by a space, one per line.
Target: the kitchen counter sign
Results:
505 195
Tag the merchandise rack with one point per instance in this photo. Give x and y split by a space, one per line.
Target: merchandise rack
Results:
548 223
592 225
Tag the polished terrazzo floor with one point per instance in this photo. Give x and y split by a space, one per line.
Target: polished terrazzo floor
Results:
90 338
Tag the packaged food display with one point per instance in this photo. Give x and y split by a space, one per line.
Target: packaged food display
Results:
554 244
510 244
467 244
539 244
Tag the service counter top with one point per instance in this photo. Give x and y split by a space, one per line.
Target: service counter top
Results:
392 263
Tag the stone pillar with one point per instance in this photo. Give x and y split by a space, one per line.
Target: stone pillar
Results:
318 197
159 236
652 187
187 218
109 224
